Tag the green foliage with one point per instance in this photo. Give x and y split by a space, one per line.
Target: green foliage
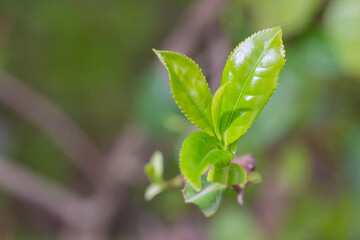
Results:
198 153
216 109
154 169
152 190
254 177
233 174
236 175
249 78
189 88
154 172
252 72
208 198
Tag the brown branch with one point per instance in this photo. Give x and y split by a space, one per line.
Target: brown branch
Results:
27 186
47 117
89 218
123 165
271 204
196 20
218 49
123 169
81 216
201 23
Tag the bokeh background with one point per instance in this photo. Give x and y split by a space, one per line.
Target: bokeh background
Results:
84 103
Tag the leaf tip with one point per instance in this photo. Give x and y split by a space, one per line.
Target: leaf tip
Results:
278 28
209 214
152 191
157 52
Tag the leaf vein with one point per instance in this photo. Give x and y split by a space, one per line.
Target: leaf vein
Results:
250 74
195 102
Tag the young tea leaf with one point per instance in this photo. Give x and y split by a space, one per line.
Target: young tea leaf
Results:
254 178
231 175
216 108
218 175
208 199
154 169
152 190
252 73
189 88
236 175
199 152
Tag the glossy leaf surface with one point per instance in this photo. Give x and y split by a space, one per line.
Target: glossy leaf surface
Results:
252 73
208 199
199 152
189 88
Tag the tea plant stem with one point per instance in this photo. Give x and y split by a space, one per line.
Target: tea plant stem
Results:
48 118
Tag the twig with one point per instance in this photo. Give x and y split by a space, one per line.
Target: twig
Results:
89 218
123 165
217 52
122 170
271 204
196 20
25 185
47 117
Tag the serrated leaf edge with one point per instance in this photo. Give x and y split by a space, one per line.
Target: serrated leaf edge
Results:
237 46
282 49
180 162
205 191
209 121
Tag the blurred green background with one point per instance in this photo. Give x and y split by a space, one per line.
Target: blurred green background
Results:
94 60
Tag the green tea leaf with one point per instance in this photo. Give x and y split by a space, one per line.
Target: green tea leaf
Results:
231 175
216 157
252 72
254 177
234 146
216 109
208 199
154 169
218 175
152 190
199 152
236 175
189 88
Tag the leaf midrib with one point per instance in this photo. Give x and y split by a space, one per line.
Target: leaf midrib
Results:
206 191
251 73
196 103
